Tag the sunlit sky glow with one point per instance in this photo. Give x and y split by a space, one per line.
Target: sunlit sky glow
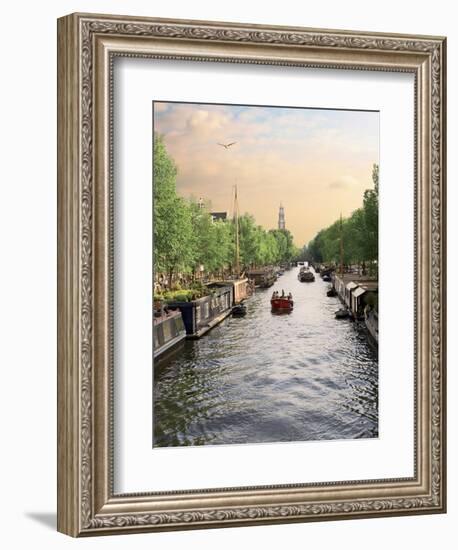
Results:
317 163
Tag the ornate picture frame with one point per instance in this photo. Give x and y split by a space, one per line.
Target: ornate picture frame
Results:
87 46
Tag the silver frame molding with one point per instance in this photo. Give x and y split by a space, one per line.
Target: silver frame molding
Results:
87 45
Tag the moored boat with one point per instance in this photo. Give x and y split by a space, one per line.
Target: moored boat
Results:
168 329
239 310
342 313
326 272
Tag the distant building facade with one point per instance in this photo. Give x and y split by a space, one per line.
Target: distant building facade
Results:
219 216
281 218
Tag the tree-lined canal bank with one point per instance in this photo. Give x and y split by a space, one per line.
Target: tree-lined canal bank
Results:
270 378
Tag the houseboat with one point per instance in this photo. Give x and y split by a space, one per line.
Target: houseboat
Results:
365 294
371 321
356 292
202 314
168 330
263 278
241 289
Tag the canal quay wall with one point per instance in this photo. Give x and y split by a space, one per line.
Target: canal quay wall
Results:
352 289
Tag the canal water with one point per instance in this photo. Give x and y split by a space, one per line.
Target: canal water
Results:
263 378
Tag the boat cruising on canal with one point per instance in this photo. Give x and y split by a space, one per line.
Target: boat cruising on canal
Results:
305 275
169 330
281 303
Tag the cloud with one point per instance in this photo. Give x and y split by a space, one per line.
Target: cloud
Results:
344 182
299 157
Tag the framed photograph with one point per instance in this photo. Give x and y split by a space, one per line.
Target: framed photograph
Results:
251 290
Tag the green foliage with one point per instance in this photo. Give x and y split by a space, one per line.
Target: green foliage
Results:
259 247
359 234
178 295
193 293
173 239
372 300
370 209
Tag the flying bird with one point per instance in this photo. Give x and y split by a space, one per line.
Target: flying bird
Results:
227 145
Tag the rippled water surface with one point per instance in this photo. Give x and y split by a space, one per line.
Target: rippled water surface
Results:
269 378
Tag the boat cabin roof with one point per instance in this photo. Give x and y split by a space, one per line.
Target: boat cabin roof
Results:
351 285
359 292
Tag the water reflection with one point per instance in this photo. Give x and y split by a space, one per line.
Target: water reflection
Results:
271 378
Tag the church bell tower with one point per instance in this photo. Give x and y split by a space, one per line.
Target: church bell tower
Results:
281 218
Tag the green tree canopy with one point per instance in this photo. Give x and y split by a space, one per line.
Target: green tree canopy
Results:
358 233
173 239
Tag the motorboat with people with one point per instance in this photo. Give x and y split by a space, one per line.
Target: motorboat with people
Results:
331 292
281 303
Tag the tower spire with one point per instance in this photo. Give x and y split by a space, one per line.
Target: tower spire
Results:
281 218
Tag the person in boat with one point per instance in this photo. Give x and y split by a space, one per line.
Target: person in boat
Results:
282 293
290 296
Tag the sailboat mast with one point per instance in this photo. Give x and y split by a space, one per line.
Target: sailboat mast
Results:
236 223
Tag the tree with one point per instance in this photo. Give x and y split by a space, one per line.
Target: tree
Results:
173 243
353 238
370 208
359 234
249 240
212 240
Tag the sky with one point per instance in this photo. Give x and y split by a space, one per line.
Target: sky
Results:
315 162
